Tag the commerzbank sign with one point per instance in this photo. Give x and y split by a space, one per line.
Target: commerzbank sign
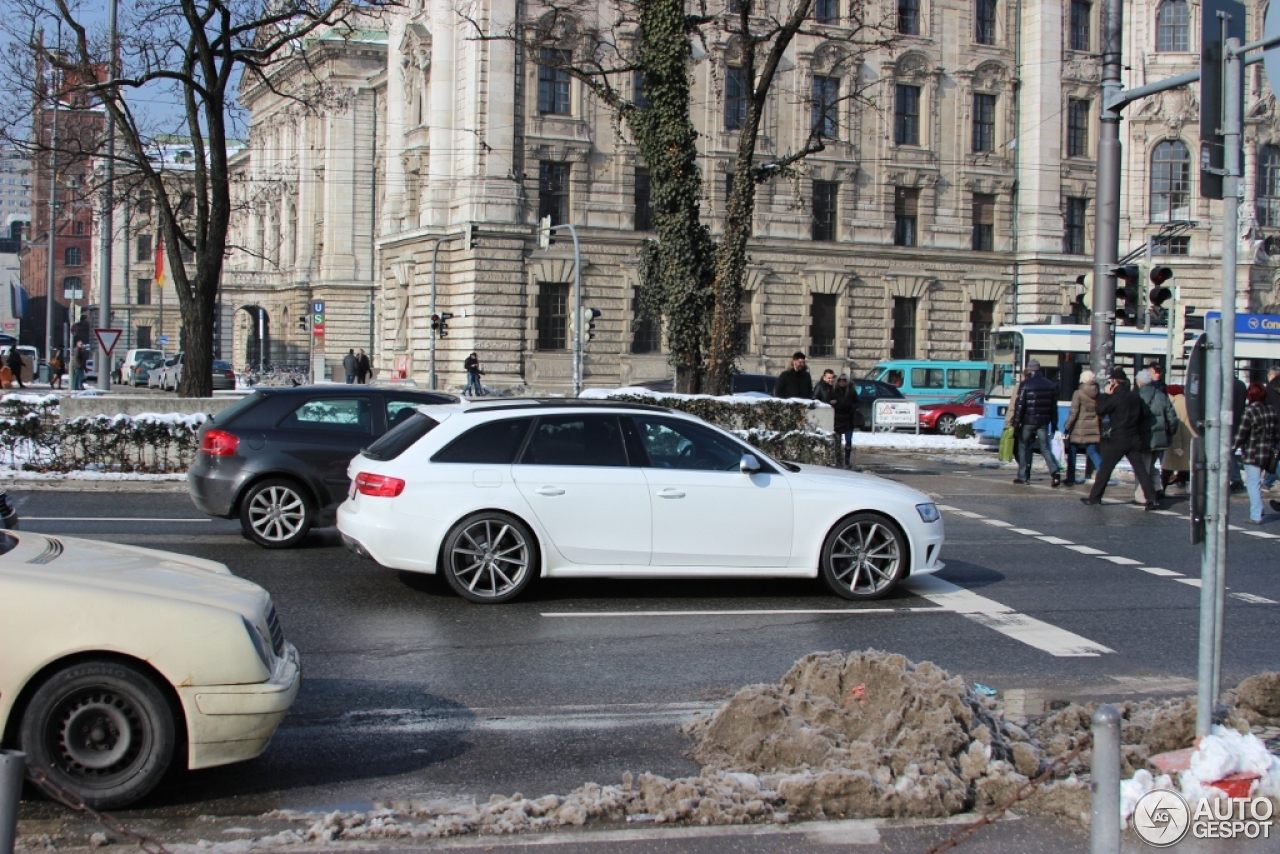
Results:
1253 324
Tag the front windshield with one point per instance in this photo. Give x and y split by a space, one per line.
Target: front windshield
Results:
1006 354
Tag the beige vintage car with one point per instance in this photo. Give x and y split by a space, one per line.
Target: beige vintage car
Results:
112 657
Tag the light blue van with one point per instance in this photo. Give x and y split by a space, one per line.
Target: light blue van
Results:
929 381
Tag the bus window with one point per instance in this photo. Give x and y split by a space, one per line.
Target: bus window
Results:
925 378
961 378
1006 356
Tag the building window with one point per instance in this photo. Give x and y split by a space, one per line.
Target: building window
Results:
638 96
143 292
71 256
735 98
904 328
905 204
984 122
984 222
745 301
1073 230
77 228
142 251
1077 127
826 106
1269 185
1170 182
643 202
553 315
984 22
72 288
144 207
909 17
826 11
645 338
1173 26
824 210
822 329
1081 15
553 82
553 191
982 317
1171 246
906 115
735 7
142 337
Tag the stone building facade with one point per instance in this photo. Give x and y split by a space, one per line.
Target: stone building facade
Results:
959 199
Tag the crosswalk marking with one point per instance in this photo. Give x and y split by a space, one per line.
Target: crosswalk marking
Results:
1256 600
1123 561
1086 550
1056 541
998 523
1191 582
1026 531
1160 571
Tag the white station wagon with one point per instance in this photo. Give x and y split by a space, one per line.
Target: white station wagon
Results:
494 495
112 656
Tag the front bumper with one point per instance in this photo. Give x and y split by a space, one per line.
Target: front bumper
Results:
232 723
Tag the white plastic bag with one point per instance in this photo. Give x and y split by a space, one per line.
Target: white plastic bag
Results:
1058 447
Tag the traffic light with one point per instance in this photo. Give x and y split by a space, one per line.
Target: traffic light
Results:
435 324
545 240
302 322
440 323
589 316
1160 294
1127 277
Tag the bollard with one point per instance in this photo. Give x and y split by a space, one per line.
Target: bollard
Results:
1105 815
11 768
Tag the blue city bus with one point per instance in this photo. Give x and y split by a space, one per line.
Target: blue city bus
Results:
1063 352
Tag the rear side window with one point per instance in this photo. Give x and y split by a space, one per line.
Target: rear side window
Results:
576 440
967 378
494 443
236 409
331 415
401 437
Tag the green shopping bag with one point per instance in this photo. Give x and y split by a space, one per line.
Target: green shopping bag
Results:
1006 445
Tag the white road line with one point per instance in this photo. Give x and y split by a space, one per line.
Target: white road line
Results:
999 523
1160 571
1191 582
1086 550
1027 531
1234 528
108 519
993 615
1056 541
968 514
1123 561
1256 600
757 612
1262 534
1167 512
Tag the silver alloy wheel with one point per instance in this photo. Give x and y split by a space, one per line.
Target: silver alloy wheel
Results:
946 424
490 558
865 557
277 513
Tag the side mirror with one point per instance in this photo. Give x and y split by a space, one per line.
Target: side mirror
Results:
749 464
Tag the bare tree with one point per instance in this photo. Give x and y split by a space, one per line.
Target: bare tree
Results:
646 48
192 54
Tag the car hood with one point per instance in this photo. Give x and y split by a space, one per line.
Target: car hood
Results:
823 476
120 568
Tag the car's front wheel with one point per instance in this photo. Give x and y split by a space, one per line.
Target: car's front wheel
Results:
276 513
946 425
864 556
490 558
101 729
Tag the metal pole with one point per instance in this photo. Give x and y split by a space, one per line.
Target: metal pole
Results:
1106 241
53 208
577 312
108 219
1104 824
1205 687
431 311
262 350
1144 305
11 769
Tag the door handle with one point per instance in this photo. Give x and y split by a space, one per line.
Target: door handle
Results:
671 493
549 490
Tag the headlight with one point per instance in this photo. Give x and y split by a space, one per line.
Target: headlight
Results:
928 512
260 644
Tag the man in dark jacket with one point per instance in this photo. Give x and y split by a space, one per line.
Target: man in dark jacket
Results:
15 363
1034 413
826 386
1273 400
795 380
1125 410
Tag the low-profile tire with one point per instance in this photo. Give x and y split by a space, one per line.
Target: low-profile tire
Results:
101 729
863 557
946 425
490 558
276 513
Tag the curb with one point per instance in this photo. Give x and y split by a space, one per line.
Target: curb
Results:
77 485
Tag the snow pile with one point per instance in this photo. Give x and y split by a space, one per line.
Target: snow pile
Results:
1258 698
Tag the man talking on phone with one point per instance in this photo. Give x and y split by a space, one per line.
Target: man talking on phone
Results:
1122 438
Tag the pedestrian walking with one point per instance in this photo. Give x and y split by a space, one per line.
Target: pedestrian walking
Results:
364 368
79 365
471 365
1256 442
1084 432
1122 438
795 380
1035 412
844 400
15 363
1157 376
1273 400
57 367
1159 425
825 387
350 364
1175 468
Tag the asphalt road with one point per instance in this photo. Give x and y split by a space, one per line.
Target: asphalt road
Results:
411 694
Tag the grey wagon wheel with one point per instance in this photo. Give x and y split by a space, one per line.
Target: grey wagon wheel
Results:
490 558
276 514
863 557
946 424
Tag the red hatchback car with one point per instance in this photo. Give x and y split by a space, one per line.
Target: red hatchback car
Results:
942 417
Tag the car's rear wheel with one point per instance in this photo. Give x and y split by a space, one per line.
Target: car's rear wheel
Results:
864 556
490 558
276 513
102 730
946 425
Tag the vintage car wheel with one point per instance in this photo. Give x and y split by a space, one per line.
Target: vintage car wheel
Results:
490 558
276 513
863 557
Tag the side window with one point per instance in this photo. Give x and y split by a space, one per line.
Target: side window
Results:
331 414
926 377
894 378
494 443
967 378
673 444
576 440
400 411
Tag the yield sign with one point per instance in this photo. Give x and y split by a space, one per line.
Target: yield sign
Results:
107 338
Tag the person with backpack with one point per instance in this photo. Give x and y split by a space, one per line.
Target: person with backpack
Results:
1159 425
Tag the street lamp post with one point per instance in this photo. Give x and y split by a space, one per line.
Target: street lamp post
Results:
108 217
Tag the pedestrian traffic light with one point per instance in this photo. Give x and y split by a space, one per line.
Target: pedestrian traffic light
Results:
1160 294
435 324
302 323
544 233
440 322
1127 277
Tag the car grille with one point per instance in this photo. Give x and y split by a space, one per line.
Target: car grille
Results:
277 633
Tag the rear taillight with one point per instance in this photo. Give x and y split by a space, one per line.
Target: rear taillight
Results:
378 485
219 443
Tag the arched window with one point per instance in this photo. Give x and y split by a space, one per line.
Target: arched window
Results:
1269 185
1170 182
1173 26
71 257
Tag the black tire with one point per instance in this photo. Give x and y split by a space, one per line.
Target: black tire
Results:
276 513
864 557
490 558
946 425
101 729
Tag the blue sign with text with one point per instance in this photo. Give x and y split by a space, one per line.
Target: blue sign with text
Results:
1253 324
